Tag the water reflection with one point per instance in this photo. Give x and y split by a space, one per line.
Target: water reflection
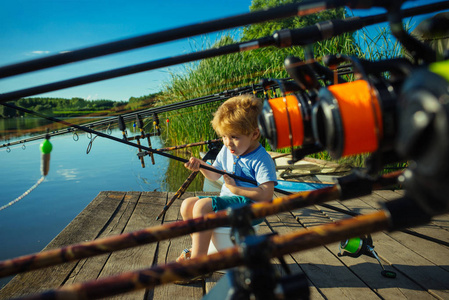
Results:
177 174
21 127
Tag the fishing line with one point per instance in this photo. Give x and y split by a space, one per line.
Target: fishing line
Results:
24 194
45 148
150 111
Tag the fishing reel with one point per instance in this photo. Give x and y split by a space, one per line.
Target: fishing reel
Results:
423 136
360 116
357 246
286 121
346 118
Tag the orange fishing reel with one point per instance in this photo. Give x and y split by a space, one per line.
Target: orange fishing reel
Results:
286 121
359 116
346 118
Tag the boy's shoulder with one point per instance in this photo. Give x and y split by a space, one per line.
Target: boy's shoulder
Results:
259 153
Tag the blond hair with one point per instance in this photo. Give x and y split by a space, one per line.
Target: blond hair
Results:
237 115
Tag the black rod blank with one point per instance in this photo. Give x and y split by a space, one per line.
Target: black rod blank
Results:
304 8
300 36
147 112
285 11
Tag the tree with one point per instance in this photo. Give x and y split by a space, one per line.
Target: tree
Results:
7 112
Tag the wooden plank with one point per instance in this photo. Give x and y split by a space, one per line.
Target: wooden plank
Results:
387 194
435 253
421 273
168 251
90 268
438 222
369 270
325 271
86 226
442 221
439 254
144 215
410 264
274 224
422 266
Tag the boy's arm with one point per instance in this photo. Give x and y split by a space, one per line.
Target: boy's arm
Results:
263 192
194 165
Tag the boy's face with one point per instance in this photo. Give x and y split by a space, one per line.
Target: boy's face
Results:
241 144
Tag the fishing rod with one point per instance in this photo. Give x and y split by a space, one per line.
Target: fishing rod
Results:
149 112
283 38
214 148
391 218
185 146
125 141
289 10
354 185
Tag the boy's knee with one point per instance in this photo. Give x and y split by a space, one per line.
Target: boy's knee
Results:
202 206
187 205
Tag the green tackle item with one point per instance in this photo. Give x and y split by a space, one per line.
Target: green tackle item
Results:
46 148
352 245
356 246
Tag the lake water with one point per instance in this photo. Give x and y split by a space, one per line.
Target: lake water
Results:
74 180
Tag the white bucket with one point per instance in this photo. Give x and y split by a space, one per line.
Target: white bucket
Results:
221 239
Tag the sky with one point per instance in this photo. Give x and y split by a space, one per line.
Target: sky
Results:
31 29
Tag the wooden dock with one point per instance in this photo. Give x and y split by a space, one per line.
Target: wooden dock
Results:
422 266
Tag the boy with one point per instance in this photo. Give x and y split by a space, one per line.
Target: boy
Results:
236 122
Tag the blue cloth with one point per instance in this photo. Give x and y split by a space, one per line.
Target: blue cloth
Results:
256 165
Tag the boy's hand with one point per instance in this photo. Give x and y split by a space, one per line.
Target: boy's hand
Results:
193 164
229 181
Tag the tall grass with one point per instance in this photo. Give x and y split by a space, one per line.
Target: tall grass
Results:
226 72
